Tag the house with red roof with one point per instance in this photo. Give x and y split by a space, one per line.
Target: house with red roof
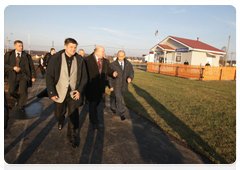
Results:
177 50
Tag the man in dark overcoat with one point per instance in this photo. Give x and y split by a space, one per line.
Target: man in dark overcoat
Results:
66 79
120 84
21 73
98 69
47 57
46 60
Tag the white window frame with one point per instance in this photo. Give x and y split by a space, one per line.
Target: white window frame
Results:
176 54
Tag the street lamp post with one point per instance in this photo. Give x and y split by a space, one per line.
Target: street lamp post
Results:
28 42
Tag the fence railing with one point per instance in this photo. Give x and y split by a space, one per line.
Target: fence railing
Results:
194 72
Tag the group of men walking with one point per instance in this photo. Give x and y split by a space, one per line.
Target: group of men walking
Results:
69 78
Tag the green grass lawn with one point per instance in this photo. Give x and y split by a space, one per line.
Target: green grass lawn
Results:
202 114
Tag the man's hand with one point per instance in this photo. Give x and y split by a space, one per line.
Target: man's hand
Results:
45 68
17 69
76 95
33 79
115 74
111 89
129 80
54 98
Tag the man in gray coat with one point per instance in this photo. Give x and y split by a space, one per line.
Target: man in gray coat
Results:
120 83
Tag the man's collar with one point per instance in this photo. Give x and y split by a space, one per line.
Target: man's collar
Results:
18 52
68 56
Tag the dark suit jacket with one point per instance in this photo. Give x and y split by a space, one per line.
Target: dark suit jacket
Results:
46 59
53 74
26 65
120 82
96 81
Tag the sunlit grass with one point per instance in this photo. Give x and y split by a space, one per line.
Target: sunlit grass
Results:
200 113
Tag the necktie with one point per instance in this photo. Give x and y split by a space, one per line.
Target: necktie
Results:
98 62
121 66
17 59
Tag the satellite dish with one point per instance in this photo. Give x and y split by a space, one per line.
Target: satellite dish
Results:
224 49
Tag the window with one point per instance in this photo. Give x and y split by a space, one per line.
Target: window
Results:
178 57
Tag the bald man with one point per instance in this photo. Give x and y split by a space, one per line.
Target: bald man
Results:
81 52
120 84
98 69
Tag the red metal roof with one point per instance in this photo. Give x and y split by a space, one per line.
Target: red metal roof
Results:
166 47
196 44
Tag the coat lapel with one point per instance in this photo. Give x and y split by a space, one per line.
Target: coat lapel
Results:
74 65
94 61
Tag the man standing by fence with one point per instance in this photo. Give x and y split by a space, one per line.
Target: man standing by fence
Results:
120 83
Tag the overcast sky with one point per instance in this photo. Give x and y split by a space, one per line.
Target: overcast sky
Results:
115 27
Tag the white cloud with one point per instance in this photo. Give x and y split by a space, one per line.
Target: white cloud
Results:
225 21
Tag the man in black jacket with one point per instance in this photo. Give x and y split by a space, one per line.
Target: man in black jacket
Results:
46 60
120 83
21 73
98 69
66 80
47 57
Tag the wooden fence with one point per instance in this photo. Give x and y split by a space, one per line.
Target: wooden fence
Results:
194 72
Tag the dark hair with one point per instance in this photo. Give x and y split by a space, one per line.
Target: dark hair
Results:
52 49
70 40
18 41
80 50
121 51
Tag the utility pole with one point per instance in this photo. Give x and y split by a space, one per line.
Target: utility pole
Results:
52 44
231 59
7 43
28 42
227 51
122 48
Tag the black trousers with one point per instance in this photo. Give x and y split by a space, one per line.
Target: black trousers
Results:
19 83
117 103
43 71
93 111
60 110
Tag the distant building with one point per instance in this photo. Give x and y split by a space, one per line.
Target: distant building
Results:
149 57
176 50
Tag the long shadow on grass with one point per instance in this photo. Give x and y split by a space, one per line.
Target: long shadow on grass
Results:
154 146
191 138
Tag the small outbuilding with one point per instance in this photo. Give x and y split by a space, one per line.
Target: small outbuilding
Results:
177 50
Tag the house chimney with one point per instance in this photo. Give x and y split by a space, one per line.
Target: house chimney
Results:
197 39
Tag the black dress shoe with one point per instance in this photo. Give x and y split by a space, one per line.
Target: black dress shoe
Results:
74 143
60 126
22 109
123 118
114 111
95 126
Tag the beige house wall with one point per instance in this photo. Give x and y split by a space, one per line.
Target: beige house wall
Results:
199 58
174 44
170 57
215 60
187 56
